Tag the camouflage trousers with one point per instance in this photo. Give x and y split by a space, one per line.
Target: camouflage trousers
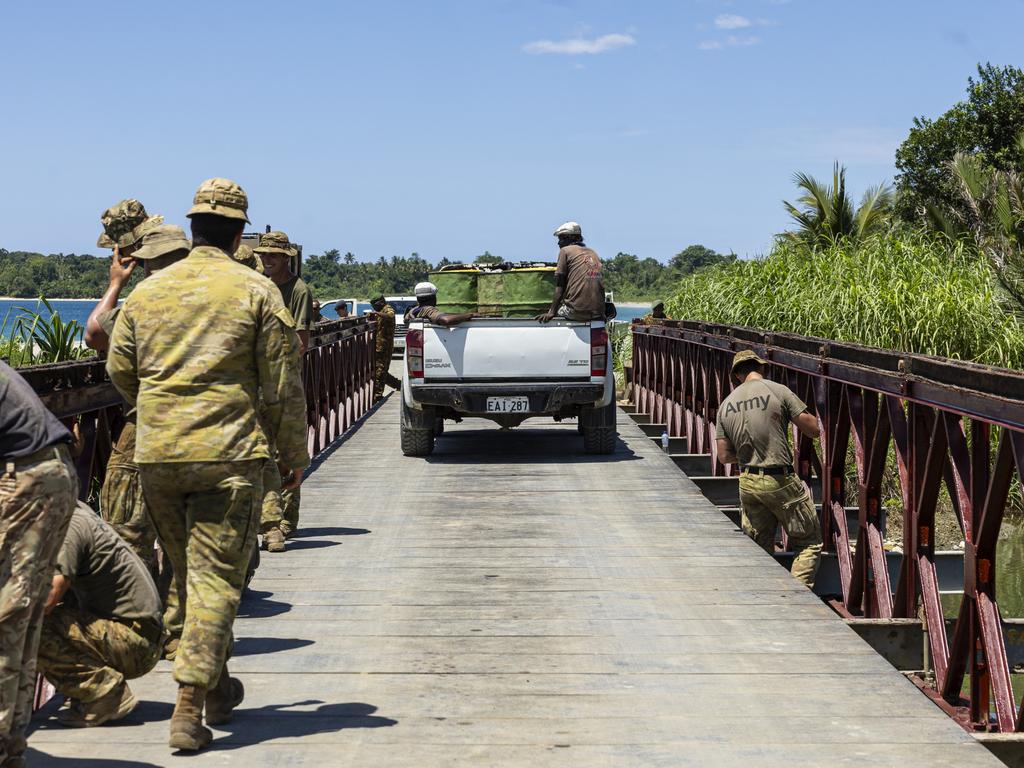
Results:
382 374
771 500
206 514
278 506
121 501
37 495
87 657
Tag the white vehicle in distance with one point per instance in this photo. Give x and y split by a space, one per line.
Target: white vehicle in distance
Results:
508 370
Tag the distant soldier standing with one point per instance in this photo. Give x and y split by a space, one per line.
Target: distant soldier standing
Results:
579 289
753 425
193 347
38 487
385 347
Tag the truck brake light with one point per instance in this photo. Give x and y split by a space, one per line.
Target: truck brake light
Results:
414 353
598 351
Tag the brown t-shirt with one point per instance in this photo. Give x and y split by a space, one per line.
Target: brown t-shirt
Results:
423 312
755 418
299 300
584 289
107 577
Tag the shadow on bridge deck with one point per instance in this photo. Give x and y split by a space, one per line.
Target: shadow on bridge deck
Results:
509 601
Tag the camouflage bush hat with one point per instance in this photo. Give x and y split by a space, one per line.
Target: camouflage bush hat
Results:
120 221
244 255
745 356
220 197
275 242
161 240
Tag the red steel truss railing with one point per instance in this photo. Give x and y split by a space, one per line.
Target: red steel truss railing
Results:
337 374
947 424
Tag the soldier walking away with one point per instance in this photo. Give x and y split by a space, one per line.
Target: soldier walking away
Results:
385 347
753 425
276 253
112 631
579 288
426 308
192 349
38 486
656 316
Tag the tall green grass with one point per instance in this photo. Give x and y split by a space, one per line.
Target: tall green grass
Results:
30 338
910 292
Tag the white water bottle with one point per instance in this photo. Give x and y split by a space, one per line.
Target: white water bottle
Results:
664 441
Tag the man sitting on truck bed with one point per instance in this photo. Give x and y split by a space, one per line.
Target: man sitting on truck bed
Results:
579 289
426 309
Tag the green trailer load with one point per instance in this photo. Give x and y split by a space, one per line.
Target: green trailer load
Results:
504 290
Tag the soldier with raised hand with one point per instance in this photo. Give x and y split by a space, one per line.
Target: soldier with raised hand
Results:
753 431
384 347
192 349
38 486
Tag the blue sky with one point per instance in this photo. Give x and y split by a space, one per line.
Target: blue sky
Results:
448 128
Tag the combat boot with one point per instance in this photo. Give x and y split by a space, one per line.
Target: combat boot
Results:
222 699
171 648
187 730
112 706
273 540
12 754
287 529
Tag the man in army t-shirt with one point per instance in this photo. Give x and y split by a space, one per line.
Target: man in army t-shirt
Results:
753 431
276 252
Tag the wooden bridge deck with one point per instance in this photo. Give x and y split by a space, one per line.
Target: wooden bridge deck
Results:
510 602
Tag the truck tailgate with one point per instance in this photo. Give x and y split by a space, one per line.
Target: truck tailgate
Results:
493 349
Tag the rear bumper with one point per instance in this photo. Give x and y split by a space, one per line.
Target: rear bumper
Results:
545 397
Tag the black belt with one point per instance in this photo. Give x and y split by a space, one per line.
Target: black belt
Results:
768 470
149 630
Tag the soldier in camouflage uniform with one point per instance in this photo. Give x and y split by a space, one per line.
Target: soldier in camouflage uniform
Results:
385 347
276 252
192 350
38 486
110 634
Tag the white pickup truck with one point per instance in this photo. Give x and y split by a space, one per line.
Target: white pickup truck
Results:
507 370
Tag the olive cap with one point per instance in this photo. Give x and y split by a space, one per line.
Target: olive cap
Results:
160 240
569 228
245 256
275 242
379 298
745 356
119 222
424 289
220 197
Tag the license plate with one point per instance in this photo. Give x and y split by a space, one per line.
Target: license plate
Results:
520 404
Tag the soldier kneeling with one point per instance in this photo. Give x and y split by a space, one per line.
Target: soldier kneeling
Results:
109 633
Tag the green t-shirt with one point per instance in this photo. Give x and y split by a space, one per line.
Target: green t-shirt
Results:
299 300
107 577
755 418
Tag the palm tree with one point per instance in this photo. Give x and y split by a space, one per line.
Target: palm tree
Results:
993 218
827 214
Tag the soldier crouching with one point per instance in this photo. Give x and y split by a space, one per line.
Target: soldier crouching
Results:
109 633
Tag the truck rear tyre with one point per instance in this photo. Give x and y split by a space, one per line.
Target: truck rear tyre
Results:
416 441
598 428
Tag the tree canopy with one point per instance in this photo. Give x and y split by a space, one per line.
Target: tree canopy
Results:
985 124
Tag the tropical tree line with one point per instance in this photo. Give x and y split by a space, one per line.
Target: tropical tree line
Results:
932 264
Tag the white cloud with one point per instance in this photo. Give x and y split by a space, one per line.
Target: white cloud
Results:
732 21
732 41
575 46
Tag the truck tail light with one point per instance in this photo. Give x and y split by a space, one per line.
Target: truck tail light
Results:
598 351
414 353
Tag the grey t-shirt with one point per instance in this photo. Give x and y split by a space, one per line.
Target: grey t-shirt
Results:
108 578
26 425
755 418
